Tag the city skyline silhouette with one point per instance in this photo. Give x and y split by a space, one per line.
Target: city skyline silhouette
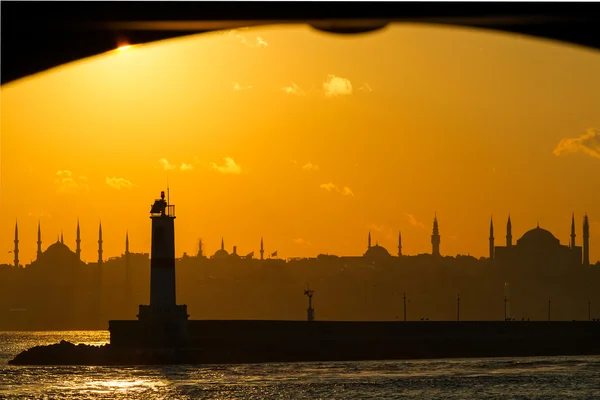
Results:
504 241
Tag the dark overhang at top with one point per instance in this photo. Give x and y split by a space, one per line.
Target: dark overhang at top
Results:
37 36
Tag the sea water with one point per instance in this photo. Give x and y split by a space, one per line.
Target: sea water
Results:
493 378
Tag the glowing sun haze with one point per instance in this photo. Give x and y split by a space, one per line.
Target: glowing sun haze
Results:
307 139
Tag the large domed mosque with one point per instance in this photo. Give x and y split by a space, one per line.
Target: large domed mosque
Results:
540 245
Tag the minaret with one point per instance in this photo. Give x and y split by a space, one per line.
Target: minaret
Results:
222 244
100 244
262 249
491 239
399 244
573 231
586 240
369 241
39 242
62 241
78 242
128 291
435 238
16 250
508 233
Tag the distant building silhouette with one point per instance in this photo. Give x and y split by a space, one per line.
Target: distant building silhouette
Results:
399 244
221 253
536 247
78 242
39 241
100 244
16 250
508 233
262 249
435 238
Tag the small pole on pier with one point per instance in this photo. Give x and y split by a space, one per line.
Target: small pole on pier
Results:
310 311
404 306
549 307
505 302
457 307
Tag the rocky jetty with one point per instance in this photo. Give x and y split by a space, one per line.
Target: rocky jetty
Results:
66 353
63 353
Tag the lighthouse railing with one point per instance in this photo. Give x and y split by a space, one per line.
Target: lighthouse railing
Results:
170 211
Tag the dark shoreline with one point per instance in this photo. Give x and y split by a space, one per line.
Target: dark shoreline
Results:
66 353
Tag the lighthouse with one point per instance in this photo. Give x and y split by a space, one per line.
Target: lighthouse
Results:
166 322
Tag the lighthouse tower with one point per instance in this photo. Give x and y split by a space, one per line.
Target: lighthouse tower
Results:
166 321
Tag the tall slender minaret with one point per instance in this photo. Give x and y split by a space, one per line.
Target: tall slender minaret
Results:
222 244
586 240
491 239
508 233
435 238
262 249
100 244
39 242
16 250
128 286
573 231
78 242
399 244
62 241
369 241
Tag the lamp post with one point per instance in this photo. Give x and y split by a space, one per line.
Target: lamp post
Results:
549 308
457 307
505 303
589 310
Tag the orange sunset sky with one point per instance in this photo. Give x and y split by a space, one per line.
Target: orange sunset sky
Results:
307 139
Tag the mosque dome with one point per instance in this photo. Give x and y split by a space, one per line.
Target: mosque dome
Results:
377 251
221 253
538 237
58 248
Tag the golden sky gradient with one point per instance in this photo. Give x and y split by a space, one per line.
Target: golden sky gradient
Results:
307 139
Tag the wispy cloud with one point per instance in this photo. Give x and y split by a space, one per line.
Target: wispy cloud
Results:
329 186
302 242
414 221
186 167
346 191
337 86
238 88
365 88
257 41
166 165
293 89
229 167
332 187
118 183
310 167
260 42
67 182
588 143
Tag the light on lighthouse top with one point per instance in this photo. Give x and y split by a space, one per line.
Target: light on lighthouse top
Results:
161 208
